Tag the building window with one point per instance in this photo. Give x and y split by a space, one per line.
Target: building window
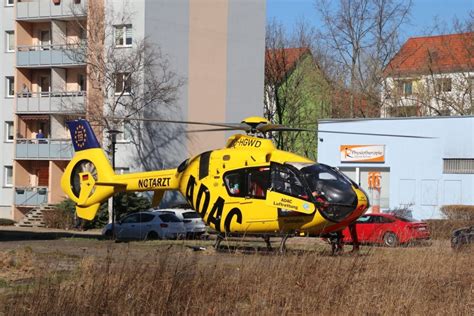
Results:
82 82
458 166
9 3
10 82
443 85
126 135
8 176
123 83
405 87
10 41
123 35
9 131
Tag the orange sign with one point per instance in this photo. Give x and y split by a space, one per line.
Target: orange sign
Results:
374 180
362 153
374 188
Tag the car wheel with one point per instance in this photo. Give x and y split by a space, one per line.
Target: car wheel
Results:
390 239
152 236
108 233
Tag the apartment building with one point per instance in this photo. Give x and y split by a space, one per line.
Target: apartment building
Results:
7 77
218 55
431 76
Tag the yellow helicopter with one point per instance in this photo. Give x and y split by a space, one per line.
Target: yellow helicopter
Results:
248 187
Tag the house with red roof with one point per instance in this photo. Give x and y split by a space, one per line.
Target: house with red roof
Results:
431 76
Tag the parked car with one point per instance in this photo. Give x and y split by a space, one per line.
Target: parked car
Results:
195 226
388 229
147 226
462 236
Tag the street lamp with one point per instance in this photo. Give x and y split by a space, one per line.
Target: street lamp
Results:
113 139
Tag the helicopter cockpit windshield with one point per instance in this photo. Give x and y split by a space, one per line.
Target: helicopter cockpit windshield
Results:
330 189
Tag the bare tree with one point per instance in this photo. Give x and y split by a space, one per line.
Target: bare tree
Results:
295 87
129 79
363 36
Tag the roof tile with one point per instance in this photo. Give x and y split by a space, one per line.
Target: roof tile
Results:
434 54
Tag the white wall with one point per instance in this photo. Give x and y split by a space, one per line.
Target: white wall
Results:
416 164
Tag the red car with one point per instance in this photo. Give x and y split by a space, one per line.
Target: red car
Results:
387 229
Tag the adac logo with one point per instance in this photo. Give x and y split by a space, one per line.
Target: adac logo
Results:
80 136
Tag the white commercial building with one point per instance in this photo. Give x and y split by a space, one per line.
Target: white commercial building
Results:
431 167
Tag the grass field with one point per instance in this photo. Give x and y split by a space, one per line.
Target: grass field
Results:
88 276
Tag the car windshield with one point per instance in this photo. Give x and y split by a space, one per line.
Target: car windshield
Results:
329 186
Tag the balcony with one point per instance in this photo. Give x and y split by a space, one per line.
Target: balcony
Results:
51 102
44 149
50 55
46 9
31 196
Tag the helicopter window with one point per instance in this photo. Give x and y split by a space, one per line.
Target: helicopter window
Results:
284 180
249 182
259 179
234 182
204 164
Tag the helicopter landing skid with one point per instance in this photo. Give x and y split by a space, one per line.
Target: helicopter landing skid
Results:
283 243
219 239
335 239
266 238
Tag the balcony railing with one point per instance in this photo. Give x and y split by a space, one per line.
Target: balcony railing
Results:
46 9
44 149
51 102
50 55
31 196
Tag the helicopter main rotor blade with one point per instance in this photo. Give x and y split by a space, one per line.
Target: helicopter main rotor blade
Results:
227 125
375 134
264 128
215 130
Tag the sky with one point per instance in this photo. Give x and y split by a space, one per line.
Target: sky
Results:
422 15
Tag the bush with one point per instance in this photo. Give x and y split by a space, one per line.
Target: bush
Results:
458 212
62 216
443 228
6 222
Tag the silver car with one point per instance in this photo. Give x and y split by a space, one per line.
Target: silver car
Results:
195 226
147 226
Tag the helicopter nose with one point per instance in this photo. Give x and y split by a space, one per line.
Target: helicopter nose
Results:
362 203
342 205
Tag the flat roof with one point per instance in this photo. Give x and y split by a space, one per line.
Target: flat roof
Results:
394 119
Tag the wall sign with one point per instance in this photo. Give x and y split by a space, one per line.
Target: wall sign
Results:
362 153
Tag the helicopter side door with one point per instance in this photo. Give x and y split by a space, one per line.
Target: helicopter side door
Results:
250 186
288 192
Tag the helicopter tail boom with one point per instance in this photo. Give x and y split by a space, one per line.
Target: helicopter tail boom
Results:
89 178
